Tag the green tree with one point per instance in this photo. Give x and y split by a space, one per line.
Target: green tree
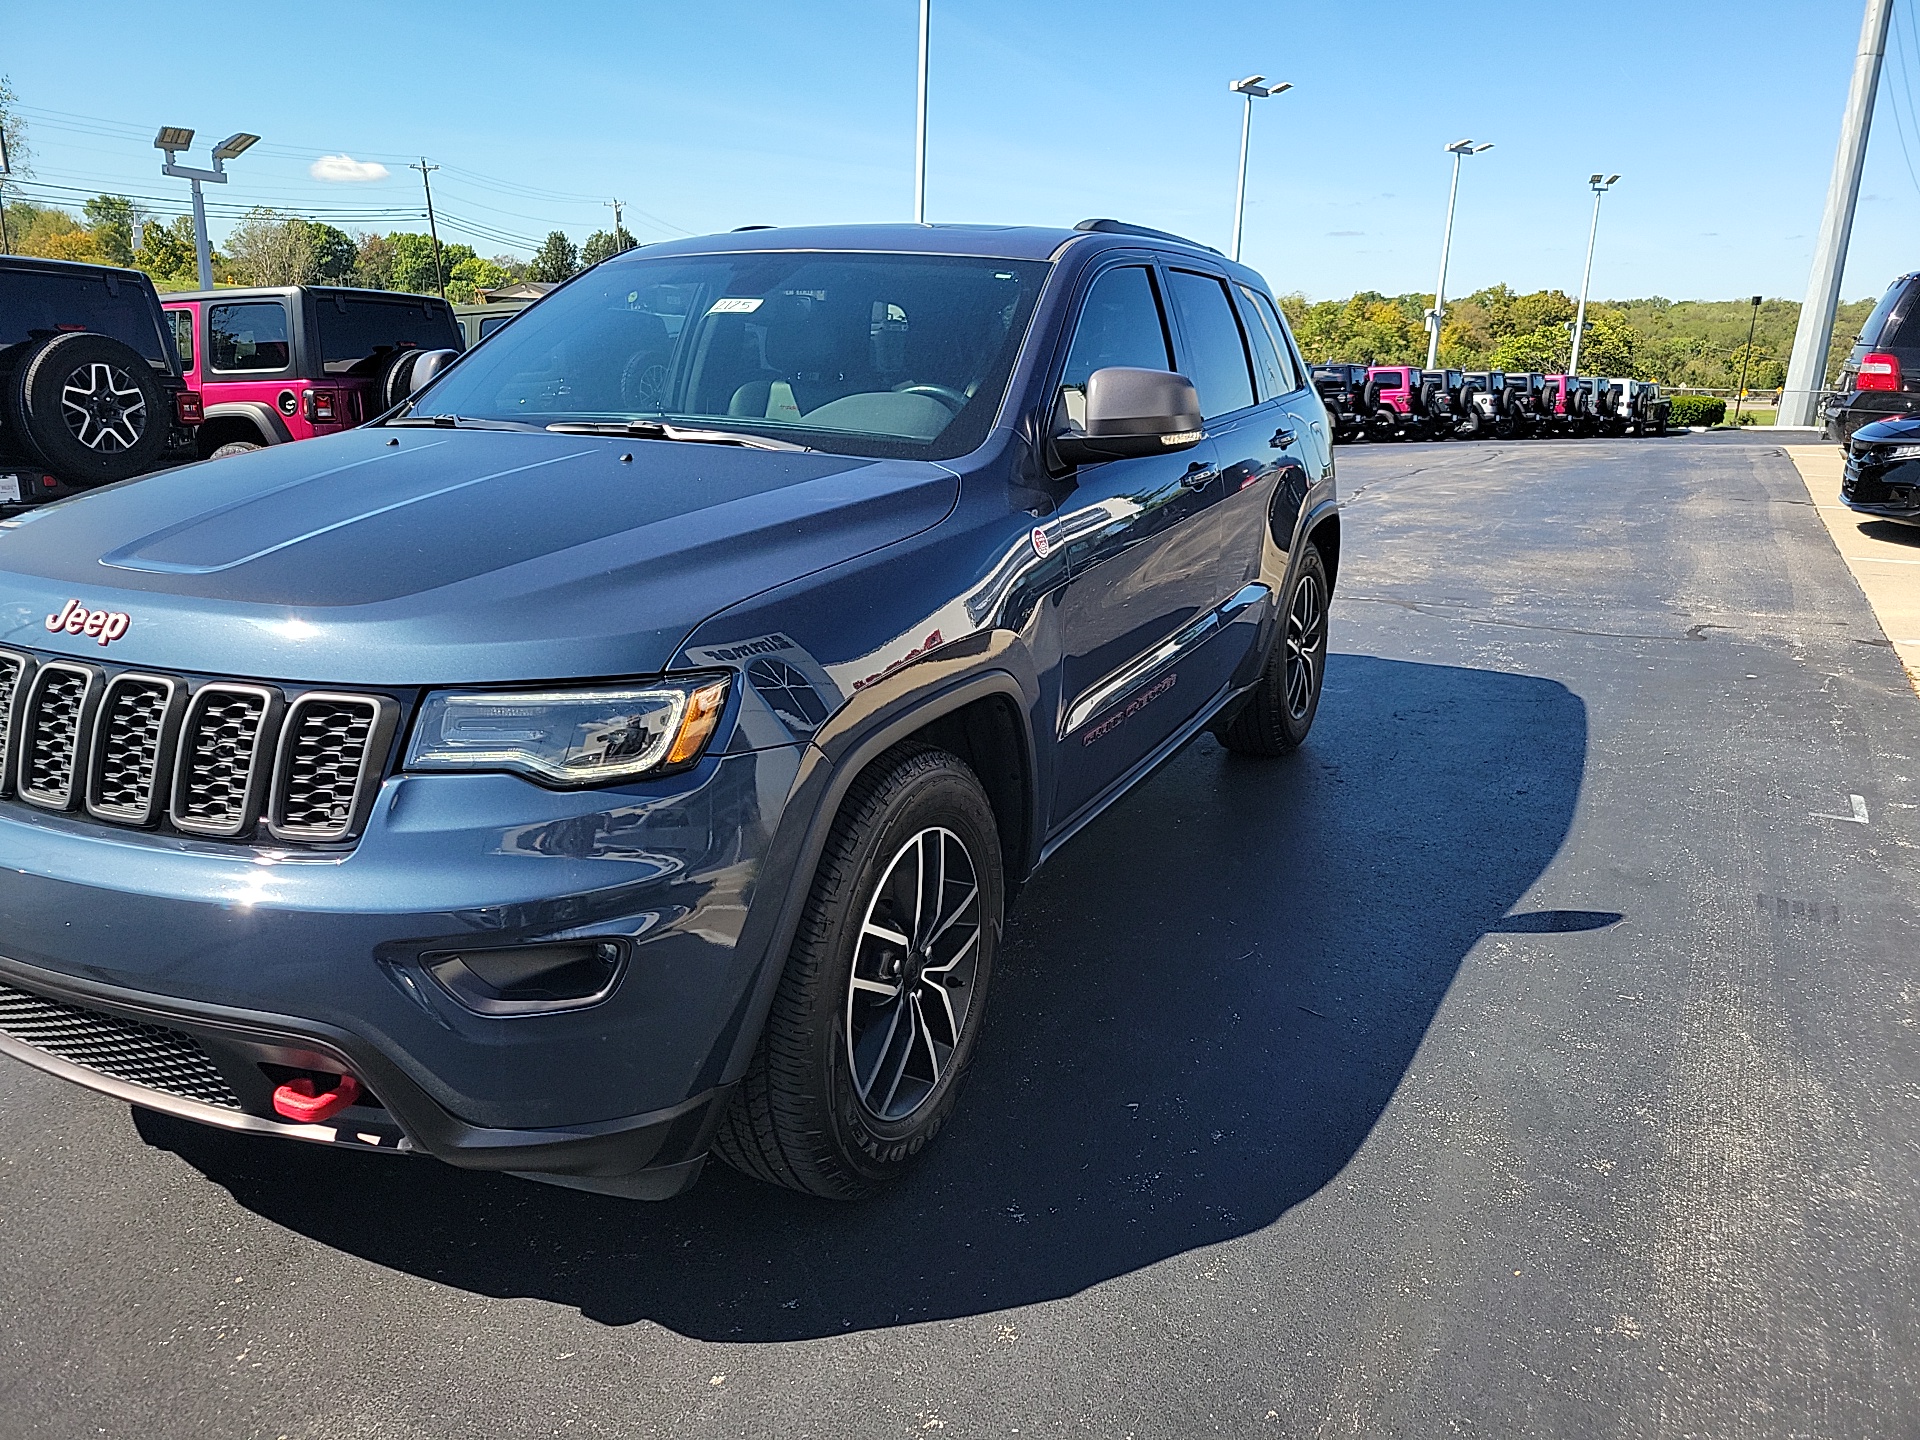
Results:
373 262
471 275
1607 345
268 248
334 253
556 259
112 218
603 244
166 253
413 266
1545 350
13 129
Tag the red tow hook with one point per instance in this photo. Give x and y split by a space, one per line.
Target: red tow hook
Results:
304 1101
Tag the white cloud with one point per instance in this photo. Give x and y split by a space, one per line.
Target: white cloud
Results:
345 169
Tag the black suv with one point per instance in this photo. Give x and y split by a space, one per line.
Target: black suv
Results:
90 387
629 747
1880 378
1343 390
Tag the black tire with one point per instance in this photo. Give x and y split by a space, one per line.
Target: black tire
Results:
1275 718
232 447
392 385
89 408
805 1115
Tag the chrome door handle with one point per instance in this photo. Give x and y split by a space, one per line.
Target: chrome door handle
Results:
1281 439
1198 476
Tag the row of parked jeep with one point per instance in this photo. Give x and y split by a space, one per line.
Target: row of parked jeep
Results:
1405 402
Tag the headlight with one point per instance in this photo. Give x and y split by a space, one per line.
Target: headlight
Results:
570 737
1901 452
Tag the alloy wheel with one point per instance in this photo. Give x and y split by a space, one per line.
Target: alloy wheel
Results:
1306 642
913 970
103 407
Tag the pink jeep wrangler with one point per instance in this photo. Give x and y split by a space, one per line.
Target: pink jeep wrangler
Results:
291 362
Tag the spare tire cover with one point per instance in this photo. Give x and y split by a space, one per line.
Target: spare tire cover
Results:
90 408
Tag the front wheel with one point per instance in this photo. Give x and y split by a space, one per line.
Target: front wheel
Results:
885 989
1275 718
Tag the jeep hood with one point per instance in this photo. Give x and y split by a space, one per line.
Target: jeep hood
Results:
422 557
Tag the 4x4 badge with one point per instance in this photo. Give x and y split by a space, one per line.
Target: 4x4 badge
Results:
106 626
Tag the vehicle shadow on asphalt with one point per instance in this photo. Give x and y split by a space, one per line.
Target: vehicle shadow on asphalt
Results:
1204 1005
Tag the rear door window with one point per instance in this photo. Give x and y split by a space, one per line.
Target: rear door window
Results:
1214 352
248 337
352 330
36 303
1270 355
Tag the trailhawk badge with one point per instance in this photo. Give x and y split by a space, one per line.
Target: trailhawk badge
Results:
106 626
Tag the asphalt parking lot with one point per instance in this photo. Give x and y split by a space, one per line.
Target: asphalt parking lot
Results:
1534 1054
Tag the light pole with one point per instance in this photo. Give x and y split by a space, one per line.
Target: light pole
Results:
1746 356
1458 149
1254 88
920 122
172 139
1600 184
1807 369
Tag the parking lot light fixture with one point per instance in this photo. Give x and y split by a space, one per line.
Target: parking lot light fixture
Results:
1457 149
175 138
1599 184
1254 87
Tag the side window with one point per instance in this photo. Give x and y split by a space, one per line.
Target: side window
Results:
1120 324
248 337
1215 357
1276 377
491 323
182 322
1283 352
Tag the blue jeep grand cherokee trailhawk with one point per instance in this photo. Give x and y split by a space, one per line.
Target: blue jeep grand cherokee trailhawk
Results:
628 747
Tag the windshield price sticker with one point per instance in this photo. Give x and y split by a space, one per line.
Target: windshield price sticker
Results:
736 305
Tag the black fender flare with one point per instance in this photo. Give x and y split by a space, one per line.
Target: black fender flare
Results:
813 804
264 418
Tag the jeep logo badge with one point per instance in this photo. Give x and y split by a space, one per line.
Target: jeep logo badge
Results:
106 626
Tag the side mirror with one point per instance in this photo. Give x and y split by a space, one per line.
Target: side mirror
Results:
1131 413
426 365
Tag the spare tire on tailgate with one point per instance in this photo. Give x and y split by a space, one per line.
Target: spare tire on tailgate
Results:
88 408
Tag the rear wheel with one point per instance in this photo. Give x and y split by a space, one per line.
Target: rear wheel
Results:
89 408
1276 717
885 989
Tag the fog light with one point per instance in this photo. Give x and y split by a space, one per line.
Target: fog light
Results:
526 979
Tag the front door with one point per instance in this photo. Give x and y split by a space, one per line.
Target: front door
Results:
1142 562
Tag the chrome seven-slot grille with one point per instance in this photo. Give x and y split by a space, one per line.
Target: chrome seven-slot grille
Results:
218 759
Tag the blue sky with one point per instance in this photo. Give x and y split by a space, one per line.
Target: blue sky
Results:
1721 116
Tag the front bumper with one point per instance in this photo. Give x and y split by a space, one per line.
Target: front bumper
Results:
1884 491
266 961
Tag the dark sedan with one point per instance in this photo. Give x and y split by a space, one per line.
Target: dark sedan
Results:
1883 471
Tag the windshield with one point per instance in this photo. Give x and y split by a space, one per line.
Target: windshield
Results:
879 355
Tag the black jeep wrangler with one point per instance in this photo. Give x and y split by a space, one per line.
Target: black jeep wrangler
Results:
90 386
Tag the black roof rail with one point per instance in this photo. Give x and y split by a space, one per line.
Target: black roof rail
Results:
1121 227
742 229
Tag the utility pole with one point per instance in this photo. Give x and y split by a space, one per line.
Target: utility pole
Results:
618 230
1458 149
439 275
1807 370
1600 185
920 122
1746 357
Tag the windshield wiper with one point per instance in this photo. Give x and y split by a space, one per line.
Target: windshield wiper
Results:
461 422
661 430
